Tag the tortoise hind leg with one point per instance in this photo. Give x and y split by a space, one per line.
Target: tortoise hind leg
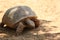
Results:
19 28
1 24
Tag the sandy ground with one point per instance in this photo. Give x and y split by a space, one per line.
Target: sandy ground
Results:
48 10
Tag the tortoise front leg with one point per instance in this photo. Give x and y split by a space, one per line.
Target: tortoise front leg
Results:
19 28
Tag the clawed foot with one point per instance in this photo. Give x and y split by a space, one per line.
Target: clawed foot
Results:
20 29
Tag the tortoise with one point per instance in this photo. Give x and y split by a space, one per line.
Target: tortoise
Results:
20 17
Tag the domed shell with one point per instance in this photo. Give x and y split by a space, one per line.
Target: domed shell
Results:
17 14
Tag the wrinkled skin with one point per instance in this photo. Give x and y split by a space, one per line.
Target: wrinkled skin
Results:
26 23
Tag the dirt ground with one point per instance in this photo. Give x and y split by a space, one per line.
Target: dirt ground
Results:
47 11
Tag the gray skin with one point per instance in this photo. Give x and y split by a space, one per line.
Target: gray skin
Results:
20 17
23 24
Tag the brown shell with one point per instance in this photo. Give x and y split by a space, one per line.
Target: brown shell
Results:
16 14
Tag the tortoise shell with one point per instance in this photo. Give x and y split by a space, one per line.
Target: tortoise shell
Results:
17 14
